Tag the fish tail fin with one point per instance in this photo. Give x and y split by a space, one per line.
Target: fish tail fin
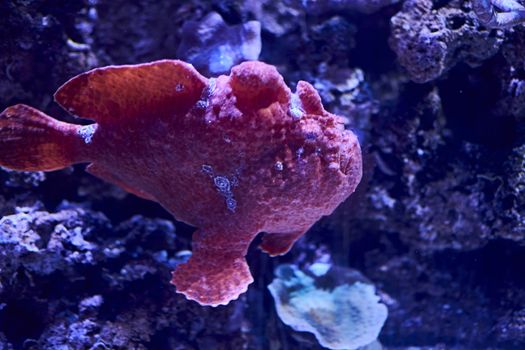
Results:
31 140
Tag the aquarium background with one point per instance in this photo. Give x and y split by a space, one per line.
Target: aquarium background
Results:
437 224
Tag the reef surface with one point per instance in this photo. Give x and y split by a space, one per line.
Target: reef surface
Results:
437 224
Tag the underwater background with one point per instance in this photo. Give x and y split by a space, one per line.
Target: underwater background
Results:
436 96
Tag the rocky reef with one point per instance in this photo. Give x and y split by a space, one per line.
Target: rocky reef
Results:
437 225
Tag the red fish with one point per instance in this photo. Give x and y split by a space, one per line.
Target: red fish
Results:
233 156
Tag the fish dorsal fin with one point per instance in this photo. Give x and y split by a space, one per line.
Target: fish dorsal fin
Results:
116 93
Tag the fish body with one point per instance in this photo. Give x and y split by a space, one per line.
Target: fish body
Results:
233 156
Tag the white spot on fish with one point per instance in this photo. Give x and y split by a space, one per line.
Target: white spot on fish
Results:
207 169
202 104
296 107
334 166
231 204
296 113
222 183
211 86
224 186
86 132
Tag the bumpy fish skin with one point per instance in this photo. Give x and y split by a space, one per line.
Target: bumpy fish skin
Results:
233 156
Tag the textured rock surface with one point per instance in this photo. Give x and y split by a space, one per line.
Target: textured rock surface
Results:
365 6
429 40
437 225
214 48
117 285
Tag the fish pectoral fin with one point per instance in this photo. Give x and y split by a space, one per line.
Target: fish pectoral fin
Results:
276 244
100 172
215 274
120 93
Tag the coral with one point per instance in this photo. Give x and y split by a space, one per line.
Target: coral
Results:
332 303
442 233
130 41
512 84
41 41
234 156
437 221
416 196
429 41
512 189
365 6
331 40
512 325
499 13
51 297
276 17
24 243
24 178
214 48
345 89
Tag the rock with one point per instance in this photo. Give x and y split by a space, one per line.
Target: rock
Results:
214 47
429 41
